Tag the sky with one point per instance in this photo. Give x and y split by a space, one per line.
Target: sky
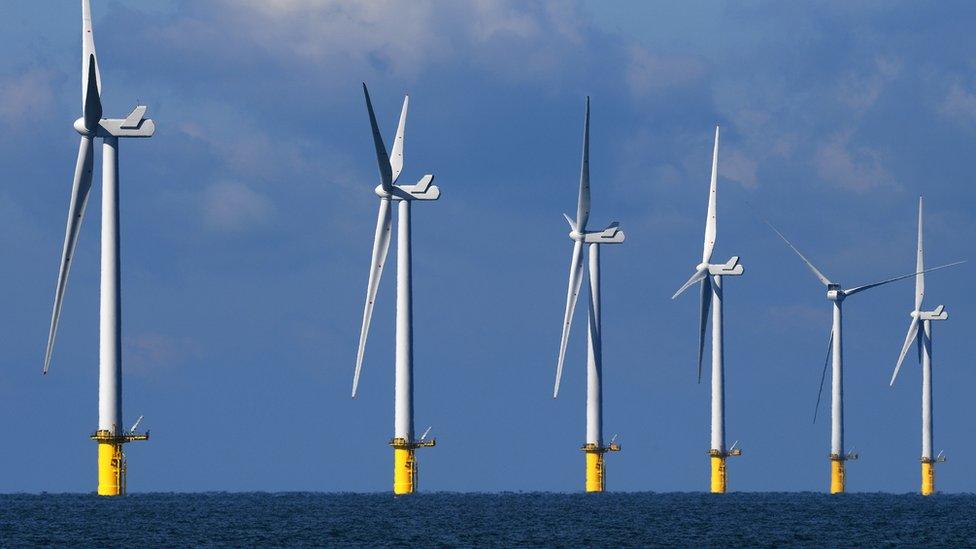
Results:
247 226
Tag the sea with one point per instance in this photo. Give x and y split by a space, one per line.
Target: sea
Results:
488 520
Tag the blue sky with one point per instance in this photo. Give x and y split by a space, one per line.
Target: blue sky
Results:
248 219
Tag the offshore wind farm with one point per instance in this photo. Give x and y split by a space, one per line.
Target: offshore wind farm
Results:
229 274
836 294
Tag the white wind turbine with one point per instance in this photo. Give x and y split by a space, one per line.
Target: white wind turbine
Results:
924 318
836 294
403 442
594 448
710 277
111 434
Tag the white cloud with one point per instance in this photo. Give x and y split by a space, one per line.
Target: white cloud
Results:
27 95
230 206
648 72
859 90
736 166
959 102
847 165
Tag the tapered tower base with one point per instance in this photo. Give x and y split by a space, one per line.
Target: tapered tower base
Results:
596 480
718 474
837 480
405 464
928 477
111 461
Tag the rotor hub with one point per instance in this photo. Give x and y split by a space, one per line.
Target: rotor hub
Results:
79 126
381 192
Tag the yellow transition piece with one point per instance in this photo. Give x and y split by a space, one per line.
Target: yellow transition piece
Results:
836 475
405 464
111 460
595 481
404 471
596 472
718 474
928 478
111 469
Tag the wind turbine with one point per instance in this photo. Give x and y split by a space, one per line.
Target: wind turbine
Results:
837 294
403 442
111 434
925 356
594 448
710 278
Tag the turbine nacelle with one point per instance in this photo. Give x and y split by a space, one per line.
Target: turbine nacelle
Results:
613 234
421 190
729 268
938 314
835 293
134 125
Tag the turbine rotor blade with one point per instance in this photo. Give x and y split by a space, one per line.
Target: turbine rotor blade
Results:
912 332
396 157
572 293
699 274
76 213
381 245
919 346
382 159
858 289
823 374
706 302
572 224
583 203
919 264
91 85
710 217
820 276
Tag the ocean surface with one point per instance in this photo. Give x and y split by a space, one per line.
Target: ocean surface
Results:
516 519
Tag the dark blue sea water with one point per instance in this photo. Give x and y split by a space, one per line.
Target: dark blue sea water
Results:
530 519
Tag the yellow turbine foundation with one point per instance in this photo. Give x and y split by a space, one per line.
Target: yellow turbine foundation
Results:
404 471
405 464
718 458
928 477
596 472
111 469
111 461
718 474
836 475
595 481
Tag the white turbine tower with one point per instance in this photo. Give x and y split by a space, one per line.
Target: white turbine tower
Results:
403 442
925 356
111 434
710 277
836 294
594 448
